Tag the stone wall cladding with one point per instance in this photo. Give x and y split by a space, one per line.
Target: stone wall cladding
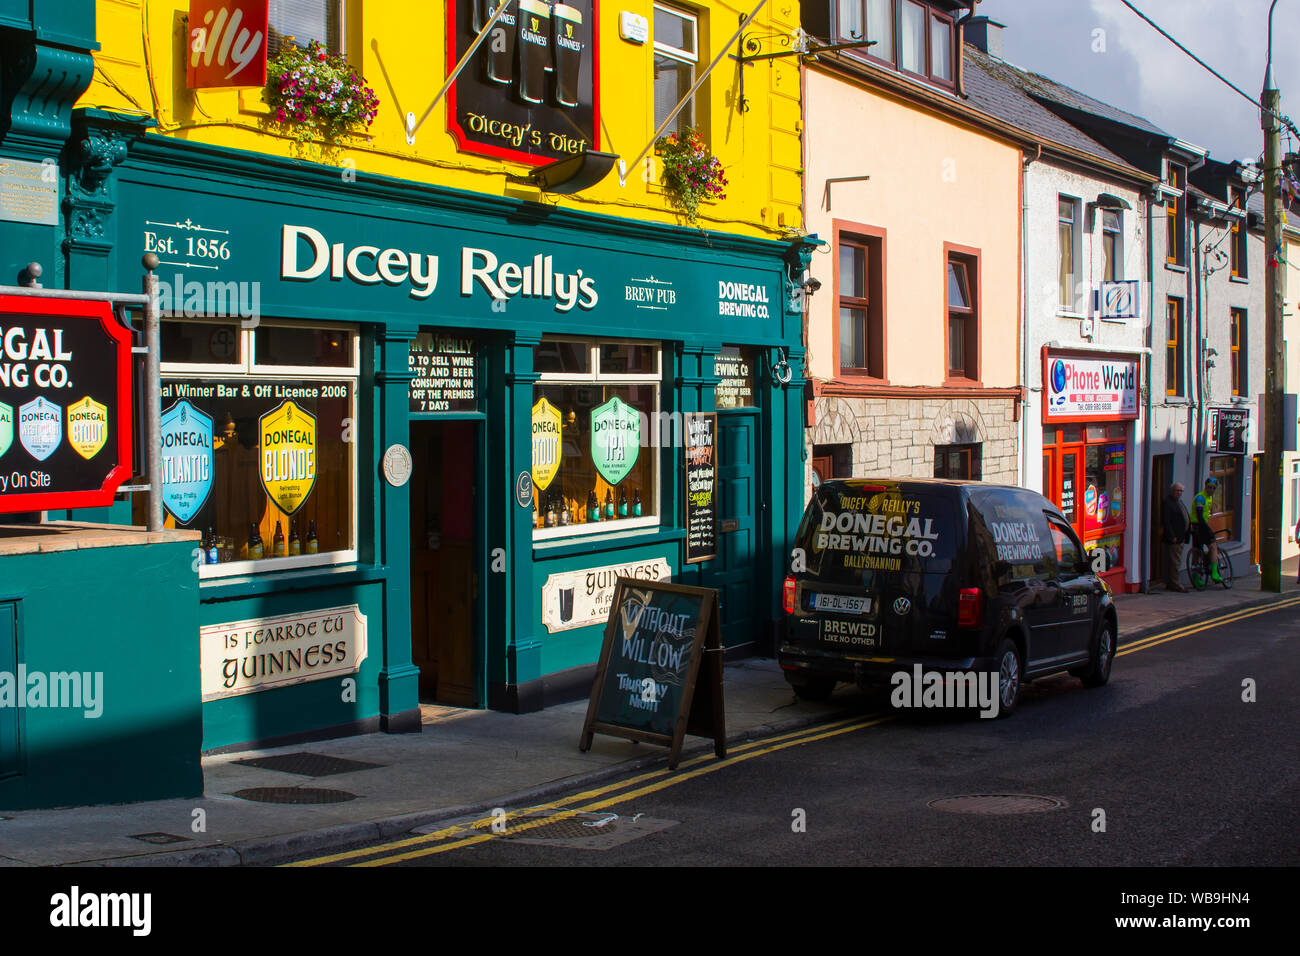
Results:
896 437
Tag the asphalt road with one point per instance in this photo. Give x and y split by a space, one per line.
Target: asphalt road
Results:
1185 771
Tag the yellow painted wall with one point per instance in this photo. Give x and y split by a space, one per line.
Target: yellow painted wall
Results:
399 48
932 181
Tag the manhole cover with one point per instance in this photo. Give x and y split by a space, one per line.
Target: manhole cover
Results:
996 803
307 764
294 795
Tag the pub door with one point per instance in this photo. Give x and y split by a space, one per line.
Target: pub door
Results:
444 585
1162 477
736 569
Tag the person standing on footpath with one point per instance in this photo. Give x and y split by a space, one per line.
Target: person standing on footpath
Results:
1177 529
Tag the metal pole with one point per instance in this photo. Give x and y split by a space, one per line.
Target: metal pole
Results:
1270 484
153 393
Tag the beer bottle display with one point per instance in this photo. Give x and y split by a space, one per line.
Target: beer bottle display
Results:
593 506
622 502
254 543
311 547
568 48
500 42
564 511
295 545
210 553
534 49
550 512
278 547
609 503
636 502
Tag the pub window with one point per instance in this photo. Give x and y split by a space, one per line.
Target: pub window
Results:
259 443
1238 247
962 306
597 432
1174 347
1112 246
861 302
304 21
735 368
1237 342
676 53
1175 215
909 36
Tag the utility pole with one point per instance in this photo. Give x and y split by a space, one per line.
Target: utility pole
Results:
1270 490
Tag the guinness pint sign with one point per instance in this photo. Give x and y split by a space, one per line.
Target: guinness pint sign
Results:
65 404
288 455
529 95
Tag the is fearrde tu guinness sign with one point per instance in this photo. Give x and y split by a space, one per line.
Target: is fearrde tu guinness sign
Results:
65 404
530 93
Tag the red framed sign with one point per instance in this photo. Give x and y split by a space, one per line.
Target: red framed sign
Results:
65 404
531 93
227 44
1089 387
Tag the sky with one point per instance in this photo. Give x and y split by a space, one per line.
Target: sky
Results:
1102 48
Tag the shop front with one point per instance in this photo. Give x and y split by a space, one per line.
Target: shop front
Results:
422 432
1089 413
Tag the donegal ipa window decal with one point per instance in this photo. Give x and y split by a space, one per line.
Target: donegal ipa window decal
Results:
288 456
615 439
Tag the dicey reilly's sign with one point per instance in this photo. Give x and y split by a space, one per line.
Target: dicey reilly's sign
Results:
529 94
65 404
1085 388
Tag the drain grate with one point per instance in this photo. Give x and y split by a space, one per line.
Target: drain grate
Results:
308 764
159 838
996 804
582 827
298 795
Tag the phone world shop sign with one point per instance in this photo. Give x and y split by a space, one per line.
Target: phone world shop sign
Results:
65 404
1077 388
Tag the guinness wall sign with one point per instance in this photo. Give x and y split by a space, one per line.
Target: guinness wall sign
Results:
529 95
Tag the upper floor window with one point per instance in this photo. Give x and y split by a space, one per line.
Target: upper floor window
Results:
1176 215
1067 230
1112 246
1237 343
305 20
677 52
906 34
860 296
1174 348
1237 200
961 301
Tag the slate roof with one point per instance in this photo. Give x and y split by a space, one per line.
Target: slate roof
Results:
990 90
1042 88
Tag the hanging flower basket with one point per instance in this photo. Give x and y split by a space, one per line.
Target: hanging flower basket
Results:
689 172
318 95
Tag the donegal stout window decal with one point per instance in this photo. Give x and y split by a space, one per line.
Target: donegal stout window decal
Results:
529 94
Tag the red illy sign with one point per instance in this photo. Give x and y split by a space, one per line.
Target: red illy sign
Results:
227 46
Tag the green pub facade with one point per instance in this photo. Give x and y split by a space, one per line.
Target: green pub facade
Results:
423 431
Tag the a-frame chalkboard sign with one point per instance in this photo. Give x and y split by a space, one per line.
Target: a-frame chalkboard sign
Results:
660 672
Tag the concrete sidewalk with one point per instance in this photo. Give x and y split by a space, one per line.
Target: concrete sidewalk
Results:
464 761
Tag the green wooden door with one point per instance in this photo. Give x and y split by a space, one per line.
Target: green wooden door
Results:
9 755
736 571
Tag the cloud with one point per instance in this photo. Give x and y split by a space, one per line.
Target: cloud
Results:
1133 67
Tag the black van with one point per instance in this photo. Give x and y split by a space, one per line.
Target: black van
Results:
953 576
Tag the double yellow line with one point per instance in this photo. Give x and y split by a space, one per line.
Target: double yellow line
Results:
458 836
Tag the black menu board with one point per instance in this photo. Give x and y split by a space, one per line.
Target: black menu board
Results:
647 684
701 487
445 366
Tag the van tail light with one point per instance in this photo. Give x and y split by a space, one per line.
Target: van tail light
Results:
970 607
787 595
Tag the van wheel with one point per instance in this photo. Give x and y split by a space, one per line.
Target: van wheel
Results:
814 688
1103 654
1009 674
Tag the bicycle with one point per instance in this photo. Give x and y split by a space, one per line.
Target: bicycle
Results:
1198 563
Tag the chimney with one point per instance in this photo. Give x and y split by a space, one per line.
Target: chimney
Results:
986 34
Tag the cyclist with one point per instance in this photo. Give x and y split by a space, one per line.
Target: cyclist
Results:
1202 535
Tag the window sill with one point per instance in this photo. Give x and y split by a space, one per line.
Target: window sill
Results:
307 579
1239 399
959 382
1242 280
1067 314
1174 267
848 376
1175 400
593 544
